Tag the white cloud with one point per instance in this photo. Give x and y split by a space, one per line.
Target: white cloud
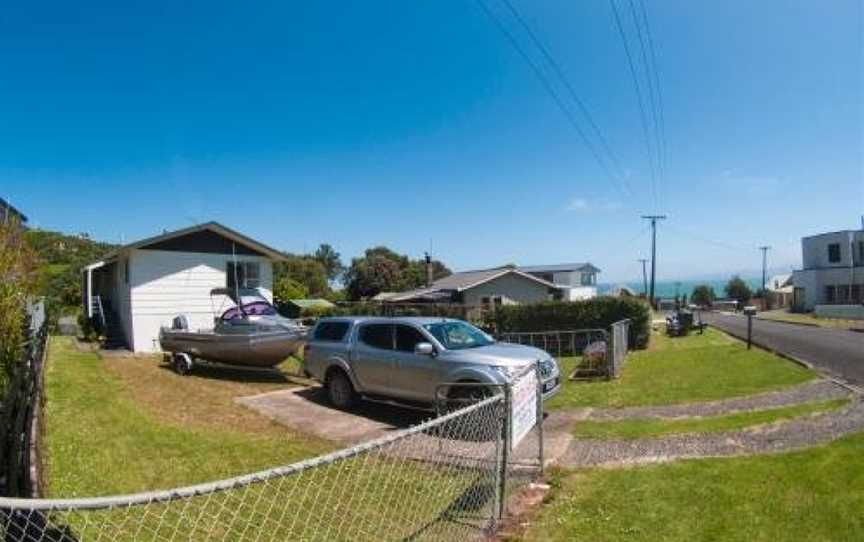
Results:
577 204
584 205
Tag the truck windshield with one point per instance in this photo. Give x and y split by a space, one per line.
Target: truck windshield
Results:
458 335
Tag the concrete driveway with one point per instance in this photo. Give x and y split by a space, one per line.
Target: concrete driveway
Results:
307 410
835 351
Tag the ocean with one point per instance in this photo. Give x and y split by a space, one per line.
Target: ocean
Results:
669 288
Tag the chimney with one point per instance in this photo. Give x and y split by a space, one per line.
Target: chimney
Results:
428 270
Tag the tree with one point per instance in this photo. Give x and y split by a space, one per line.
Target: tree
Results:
305 271
330 259
738 290
286 288
382 270
703 295
17 285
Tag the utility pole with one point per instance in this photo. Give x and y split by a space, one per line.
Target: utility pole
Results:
653 219
764 250
644 277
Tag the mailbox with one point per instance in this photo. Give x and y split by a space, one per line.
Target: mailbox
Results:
750 310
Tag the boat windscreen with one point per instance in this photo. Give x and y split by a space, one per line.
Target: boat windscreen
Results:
254 308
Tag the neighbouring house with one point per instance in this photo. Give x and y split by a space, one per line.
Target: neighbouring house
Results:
142 286
7 212
623 291
294 308
486 288
832 271
576 281
780 290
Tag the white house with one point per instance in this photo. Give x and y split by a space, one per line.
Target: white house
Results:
143 285
576 281
780 288
833 271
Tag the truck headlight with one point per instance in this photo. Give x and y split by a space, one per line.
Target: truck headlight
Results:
507 371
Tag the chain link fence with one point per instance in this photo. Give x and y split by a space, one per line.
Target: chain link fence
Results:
619 347
446 479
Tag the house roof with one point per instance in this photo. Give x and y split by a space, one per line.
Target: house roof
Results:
214 227
311 303
8 207
465 280
561 267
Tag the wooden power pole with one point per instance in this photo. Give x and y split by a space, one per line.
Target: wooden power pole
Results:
653 219
644 277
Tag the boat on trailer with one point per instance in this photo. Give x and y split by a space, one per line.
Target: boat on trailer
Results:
250 334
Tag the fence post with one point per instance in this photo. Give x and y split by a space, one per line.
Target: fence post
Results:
505 453
539 414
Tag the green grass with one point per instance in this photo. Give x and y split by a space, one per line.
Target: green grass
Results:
682 370
783 315
653 427
810 496
100 440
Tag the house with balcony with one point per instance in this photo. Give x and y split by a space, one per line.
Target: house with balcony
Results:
832 274
576 281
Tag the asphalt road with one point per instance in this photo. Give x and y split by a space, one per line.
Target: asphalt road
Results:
835 351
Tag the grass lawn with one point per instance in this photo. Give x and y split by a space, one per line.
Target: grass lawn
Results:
683 370
814 496
639 428
782 315
120 425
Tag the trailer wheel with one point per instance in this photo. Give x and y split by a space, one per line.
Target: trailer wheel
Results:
182 364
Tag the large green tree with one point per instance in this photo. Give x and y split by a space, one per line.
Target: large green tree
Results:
704 295
738 290
305 271
382 270
327 256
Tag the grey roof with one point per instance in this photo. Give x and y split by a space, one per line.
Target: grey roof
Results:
216 227
464 280
559 267
8 207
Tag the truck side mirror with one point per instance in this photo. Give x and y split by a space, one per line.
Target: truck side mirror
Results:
424 349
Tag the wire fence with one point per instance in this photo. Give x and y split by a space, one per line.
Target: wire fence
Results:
446 479
619 347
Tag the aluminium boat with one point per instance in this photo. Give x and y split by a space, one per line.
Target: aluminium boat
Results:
251 333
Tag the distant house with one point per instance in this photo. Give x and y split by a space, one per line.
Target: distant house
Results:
142 286
506 285
294 308
832 272
623 291
575 280
7 212
780 289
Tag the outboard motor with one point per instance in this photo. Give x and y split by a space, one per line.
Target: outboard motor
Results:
180 323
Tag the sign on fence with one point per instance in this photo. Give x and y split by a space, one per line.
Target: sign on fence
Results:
523 406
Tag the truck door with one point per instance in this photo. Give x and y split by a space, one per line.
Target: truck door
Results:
372 360
416 376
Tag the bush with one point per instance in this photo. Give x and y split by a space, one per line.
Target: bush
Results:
597 313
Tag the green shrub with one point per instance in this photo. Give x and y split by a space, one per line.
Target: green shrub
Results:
597 313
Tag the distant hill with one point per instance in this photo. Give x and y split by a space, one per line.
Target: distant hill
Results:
61 258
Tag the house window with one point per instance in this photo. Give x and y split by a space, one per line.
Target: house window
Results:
243 275
587 279
834 252
830 294
487 302
126 270
861 252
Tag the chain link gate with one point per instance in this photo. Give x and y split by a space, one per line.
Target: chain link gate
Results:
444 479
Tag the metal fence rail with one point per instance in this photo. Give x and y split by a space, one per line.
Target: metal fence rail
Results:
619 347
564 343
445 479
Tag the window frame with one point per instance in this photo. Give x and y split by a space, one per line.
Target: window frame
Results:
364 327
420 334
243 268
331 324
835 253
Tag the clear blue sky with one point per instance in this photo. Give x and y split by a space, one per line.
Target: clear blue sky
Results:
392 122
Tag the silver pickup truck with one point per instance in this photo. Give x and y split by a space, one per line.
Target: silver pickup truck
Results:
408 359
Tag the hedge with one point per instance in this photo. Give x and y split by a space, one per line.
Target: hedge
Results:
600 312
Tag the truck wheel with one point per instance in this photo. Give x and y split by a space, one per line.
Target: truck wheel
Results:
340 392
182 364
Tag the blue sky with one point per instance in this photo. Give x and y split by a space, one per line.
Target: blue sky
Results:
363 123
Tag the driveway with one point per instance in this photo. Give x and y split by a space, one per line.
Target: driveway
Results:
834 351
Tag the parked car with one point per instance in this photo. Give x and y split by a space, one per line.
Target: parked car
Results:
409 358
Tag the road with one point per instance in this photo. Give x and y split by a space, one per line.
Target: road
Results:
835 351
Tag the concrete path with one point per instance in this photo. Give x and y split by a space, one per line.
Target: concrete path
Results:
790 435
306 410
835 351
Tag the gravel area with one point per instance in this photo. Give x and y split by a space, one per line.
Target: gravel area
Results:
819 390
790 435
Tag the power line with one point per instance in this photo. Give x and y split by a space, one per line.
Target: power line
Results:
642 115
657 87
547 85
559 72
703 239
651 93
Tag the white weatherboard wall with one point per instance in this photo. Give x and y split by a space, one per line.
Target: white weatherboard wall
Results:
165 284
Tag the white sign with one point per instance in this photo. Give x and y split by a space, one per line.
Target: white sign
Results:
523 410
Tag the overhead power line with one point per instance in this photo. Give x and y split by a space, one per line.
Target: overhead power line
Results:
643 117
657 87
550 89
559 72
